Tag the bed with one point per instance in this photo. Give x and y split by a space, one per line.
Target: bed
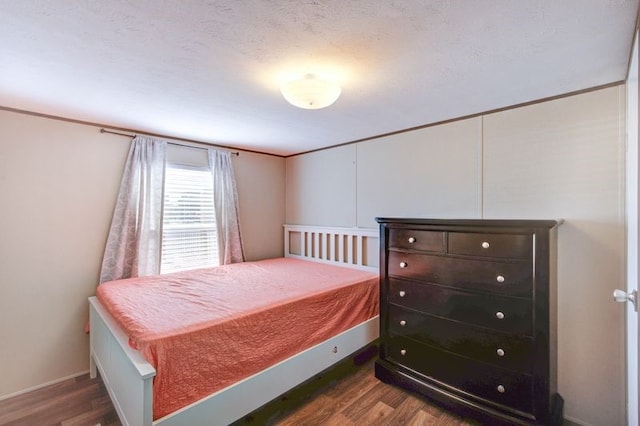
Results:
127 351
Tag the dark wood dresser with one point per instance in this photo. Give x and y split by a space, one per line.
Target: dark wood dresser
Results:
468 315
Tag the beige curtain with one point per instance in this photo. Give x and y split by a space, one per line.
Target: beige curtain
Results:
225 203
134 241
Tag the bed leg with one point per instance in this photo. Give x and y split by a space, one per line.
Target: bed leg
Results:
93 371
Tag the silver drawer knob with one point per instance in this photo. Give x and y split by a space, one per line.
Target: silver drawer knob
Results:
500 352
403 352
403 264
412 240
402 293
403 323
501 389
500 315
485 245
500 278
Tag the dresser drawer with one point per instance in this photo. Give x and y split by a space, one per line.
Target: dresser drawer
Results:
499 313
432 241
501 349
491 245
505 278
480 379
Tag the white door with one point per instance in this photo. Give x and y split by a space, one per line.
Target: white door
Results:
633 241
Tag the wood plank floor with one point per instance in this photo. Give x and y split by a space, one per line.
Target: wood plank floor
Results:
349 394
78 402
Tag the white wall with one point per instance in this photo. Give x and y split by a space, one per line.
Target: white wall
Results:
565 159
557 159
321 188
261 188
431 172
58 185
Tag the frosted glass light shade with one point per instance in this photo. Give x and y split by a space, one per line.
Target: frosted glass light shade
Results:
310 92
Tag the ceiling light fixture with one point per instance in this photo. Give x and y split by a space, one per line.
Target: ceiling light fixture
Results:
310 92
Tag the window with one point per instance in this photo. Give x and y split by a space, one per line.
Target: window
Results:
188 220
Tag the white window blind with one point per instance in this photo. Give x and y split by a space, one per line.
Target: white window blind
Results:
188 220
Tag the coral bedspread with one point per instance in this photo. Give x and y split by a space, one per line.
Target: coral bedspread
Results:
205 329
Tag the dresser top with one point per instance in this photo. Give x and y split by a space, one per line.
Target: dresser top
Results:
514 223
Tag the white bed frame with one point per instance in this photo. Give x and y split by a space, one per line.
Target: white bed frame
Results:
128 377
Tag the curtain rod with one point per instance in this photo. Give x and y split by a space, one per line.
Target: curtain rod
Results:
103 130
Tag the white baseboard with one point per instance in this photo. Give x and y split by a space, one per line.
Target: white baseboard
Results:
570 421
43 385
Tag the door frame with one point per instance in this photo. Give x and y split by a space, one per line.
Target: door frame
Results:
632 329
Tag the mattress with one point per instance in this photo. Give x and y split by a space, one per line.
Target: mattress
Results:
205 329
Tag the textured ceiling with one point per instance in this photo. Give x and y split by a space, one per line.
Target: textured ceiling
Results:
210 70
